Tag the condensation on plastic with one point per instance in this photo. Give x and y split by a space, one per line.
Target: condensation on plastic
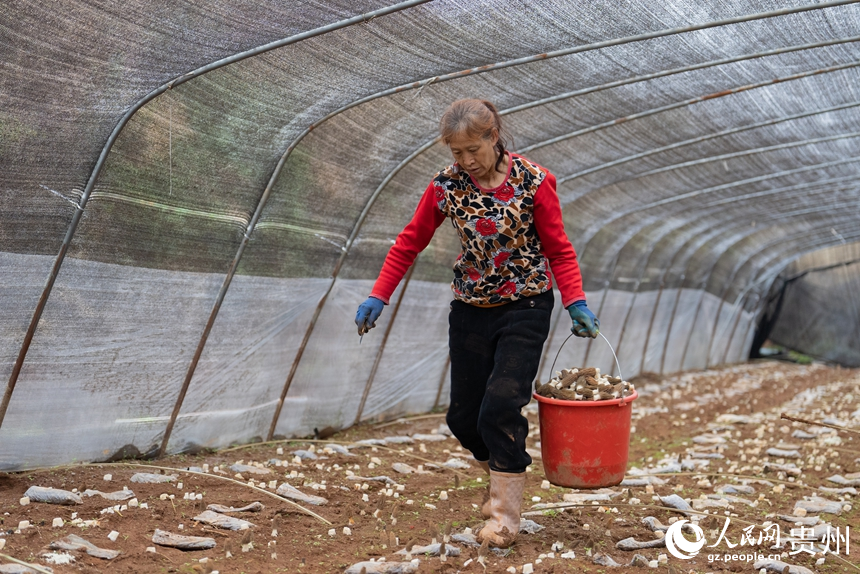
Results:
682 215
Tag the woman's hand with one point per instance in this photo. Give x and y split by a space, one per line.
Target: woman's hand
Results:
368 313
585 324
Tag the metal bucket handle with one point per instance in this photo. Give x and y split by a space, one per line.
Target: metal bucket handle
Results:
620 376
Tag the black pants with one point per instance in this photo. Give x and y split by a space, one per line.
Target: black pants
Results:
495 354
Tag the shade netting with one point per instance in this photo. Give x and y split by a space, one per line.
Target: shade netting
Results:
210 239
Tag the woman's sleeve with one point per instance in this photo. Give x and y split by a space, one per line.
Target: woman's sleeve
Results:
556 245
411 241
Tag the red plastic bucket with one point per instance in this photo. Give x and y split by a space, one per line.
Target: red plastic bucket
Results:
584 444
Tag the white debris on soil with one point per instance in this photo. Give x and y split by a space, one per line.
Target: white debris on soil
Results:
676 502
783 453
383 568
305 455
430 437
803 520
337 448
253 507
387 480
58 558
150 478
75 542
118 495
642 481
222 521
288 491
600 495
790 468
709 439
249 469
816 504
456 464
734 489
164 538
20 569
852 479
781 567
633 544
430 550
402 468
52 496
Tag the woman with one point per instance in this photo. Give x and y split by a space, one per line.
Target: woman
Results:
507 214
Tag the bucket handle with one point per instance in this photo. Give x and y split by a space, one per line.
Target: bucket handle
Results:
620 376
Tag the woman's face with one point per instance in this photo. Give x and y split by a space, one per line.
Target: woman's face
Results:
475 155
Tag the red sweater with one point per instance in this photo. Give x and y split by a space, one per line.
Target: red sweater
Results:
507 234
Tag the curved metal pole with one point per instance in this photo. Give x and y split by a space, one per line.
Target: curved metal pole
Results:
768 270
766 246
509 63
722 295
737 183
747 152
698 308
624 323
671 323
700 139
366 17
381 349
687 69
344 252
677 298
651 326
657 303
735 328
693 324
689 195
639 282
688 102
82 203
742 224
674 311
704 191
703 237
801 188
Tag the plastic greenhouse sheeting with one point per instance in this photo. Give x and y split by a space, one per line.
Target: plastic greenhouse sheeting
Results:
820 292
196 198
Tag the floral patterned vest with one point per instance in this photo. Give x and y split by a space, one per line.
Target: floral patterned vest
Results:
500 259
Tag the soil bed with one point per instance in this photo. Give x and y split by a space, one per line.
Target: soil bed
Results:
733 412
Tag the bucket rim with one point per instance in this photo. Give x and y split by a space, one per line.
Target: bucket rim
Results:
614 402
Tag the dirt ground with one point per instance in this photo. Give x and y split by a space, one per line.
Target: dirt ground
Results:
371 520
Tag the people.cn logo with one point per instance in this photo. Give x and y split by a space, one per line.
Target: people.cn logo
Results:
678 546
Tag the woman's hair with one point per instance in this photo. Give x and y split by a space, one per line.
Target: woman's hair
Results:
475 119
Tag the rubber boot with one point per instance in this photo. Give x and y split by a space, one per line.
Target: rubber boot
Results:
506 497
485 503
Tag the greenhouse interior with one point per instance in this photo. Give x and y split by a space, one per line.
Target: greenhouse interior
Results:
197 196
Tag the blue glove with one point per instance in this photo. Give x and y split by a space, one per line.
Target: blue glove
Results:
368 313
585 324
